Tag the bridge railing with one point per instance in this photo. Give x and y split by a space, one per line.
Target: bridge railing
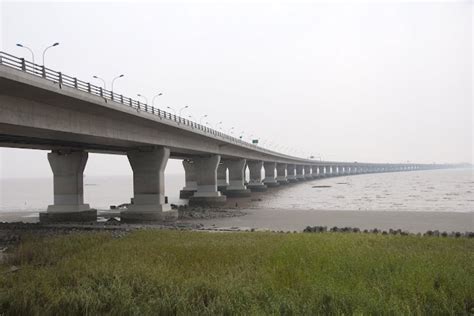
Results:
65 80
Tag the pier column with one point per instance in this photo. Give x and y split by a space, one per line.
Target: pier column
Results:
290 170
68 188
281 173
321 172
222 176
190 180
307 173
299 173
314 172
255 183
148 168
206 178
236 187
270 180
334 171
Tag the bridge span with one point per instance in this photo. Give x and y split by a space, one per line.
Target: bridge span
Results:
44 109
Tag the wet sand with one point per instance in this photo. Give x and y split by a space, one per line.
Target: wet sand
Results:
297 220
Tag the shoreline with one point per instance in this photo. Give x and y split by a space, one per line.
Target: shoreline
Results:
281 219
297 220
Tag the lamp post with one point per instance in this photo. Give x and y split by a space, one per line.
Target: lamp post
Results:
154 97
181 110
144 97
219 125
200 119
231 130
44 51
113 80
174 111
31 51
103 81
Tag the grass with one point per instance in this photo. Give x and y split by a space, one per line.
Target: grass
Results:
172 272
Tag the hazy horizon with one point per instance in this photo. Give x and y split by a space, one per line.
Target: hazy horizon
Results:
388 82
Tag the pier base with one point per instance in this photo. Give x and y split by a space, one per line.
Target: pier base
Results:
149 203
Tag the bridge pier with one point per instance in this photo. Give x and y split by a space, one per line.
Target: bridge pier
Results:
255 183
321 172
148 187
291 176
68 187
206 178
270 180
222 176
236 187
299 173
190 180
307 173
281 173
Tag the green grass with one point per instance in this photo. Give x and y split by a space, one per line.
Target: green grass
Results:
172 272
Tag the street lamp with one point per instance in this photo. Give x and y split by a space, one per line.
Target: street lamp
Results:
180 110
103 81
230 131
174 111
113 80
219 124
144 97
44 52
31 51
155 96
200 119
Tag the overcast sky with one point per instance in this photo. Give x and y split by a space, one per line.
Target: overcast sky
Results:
386 82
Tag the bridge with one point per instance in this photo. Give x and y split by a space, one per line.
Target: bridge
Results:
41 108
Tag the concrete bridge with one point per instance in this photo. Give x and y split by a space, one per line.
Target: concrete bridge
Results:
44 109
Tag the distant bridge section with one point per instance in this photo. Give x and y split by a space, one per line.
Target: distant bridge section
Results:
44 109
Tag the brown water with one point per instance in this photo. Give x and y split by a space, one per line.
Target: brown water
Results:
436 190
450 190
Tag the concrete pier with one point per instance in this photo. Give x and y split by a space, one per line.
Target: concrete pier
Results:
291 175
314 172
299 173
270 180
222 176
307 172
236 187
190 180
206 178
255 184
281 173
148 167
68 187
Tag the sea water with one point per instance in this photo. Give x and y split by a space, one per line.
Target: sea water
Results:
447 190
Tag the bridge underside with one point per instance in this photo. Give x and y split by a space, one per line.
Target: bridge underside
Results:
65 141
36 113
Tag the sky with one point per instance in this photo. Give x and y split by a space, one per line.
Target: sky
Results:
362 81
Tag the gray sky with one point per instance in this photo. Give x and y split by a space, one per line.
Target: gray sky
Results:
379 82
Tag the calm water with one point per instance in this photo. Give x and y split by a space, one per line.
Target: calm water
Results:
436 190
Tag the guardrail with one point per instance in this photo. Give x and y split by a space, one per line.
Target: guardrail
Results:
58 77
